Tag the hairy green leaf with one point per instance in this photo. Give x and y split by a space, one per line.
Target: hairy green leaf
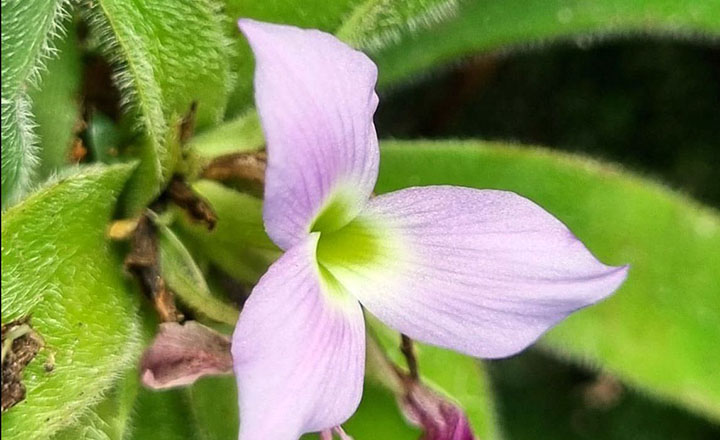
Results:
167 55
379 23
659 332
56 106
27 30
487 25
109 419
184 277
238 244
59 269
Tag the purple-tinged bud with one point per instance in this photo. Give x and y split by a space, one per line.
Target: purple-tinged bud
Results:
181 354
439 418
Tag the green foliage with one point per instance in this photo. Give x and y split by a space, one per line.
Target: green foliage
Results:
361 23
28 28
103 138
207 410
185 278
488 25
167 55
56 106
238 245
375 24
379 416
541 398
318 14
213 401
462 378
241 134
109 419
163 414
70 282
659 332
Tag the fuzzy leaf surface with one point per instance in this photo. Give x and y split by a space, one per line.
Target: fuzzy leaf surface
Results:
59 268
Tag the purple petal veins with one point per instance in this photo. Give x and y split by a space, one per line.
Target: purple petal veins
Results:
299 356
316 100
482 272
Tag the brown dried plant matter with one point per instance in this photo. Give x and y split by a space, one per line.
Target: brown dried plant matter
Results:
249 166
20 345
142 261
182 195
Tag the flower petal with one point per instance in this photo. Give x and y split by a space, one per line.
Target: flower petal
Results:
316 100
481 272
298 351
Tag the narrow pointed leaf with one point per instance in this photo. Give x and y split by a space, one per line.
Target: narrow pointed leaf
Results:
184 277
58 268
167 55
659 331
239 135
28 28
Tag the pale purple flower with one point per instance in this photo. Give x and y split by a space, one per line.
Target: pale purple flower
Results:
481 272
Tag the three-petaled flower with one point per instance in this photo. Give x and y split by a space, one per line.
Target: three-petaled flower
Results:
482 272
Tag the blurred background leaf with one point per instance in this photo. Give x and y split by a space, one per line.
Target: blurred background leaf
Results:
542 398
28 30
70 283
482 26
659 331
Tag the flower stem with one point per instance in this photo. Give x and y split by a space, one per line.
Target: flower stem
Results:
408 350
